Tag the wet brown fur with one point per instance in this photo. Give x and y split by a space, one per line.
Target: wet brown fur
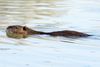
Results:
23 31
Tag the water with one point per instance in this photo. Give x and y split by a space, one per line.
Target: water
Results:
50 15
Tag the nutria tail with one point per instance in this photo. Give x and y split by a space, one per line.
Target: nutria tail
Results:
67 33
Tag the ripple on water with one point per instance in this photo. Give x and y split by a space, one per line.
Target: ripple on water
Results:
50 15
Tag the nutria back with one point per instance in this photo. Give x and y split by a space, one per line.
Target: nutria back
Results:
68 33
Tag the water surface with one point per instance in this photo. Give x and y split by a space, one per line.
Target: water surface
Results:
50 15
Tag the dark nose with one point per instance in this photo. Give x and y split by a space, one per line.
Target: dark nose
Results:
9 27
13 27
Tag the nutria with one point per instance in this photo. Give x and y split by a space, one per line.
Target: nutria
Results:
17 31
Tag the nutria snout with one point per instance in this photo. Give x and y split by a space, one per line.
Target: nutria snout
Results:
17 31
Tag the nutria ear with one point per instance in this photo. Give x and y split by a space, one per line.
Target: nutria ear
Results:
24 28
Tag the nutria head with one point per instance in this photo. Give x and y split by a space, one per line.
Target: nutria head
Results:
16 31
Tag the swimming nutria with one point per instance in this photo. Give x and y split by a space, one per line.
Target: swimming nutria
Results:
17 31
